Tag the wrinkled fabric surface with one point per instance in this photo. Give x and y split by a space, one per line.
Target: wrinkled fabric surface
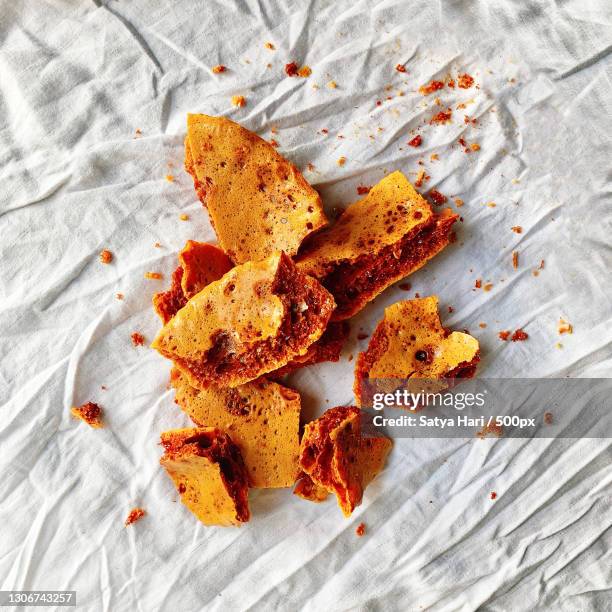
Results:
93 102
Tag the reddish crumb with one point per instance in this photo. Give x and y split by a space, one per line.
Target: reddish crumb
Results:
239 101
417 141
138 132
363 189
417 295
482 325
451 309
378 102
517 229
157 245
153 275
504 335
515 260
493 495
465 81
565 327
310 167
493 429
137 339
119 296
458 202
270 46
462 143
401 68
405 286
541 264
135 515
305 71
341 161
350 357
519 336
548 418
360 531
442 117
106 257
421 176
274 143
218 69
431 87
437 198
90 413
291 69
478 283
362 336
469 120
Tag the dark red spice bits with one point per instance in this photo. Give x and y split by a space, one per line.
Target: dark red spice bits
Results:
417 141
291 69
401 68
437 198
360 531
442 117
519 336
137 339
363 189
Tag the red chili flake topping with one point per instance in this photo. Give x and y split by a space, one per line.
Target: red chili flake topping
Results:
291 69
437 197
519 336
417 141
363 189
478 283
360 531
465 81
504 335
401 68
493 495
137 339
431 87
135 515
442 117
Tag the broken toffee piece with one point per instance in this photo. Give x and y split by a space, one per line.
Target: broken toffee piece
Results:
410 342
258 202
209 473
254 320
378 240
336 458
262 418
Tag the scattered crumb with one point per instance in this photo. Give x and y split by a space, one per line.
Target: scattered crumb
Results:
137 339
431 87
475 146
565 327
493 495
459 202
491 204
482 325
119 296
517 229
103 387
274 143
362 336
437 198
153 275
157 245
504 335
184 217
341 161
558 345
515 260
170 178
541 264
442 117
417 141
465 81
478 283
490 430
90 413
270 46
401 68
332 85
135 515
548 418
363 189
138 132
239 101
305 71
218 69
361 528
291 69
488 287
106 257
434 157
405 286
515 181
310 167
420 178
519 336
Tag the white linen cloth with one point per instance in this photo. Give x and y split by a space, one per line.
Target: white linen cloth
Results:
78 79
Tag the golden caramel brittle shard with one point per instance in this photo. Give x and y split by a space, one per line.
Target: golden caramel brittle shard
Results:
258 202
410 342
378 240
261 417
209 474
336 458
254 320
